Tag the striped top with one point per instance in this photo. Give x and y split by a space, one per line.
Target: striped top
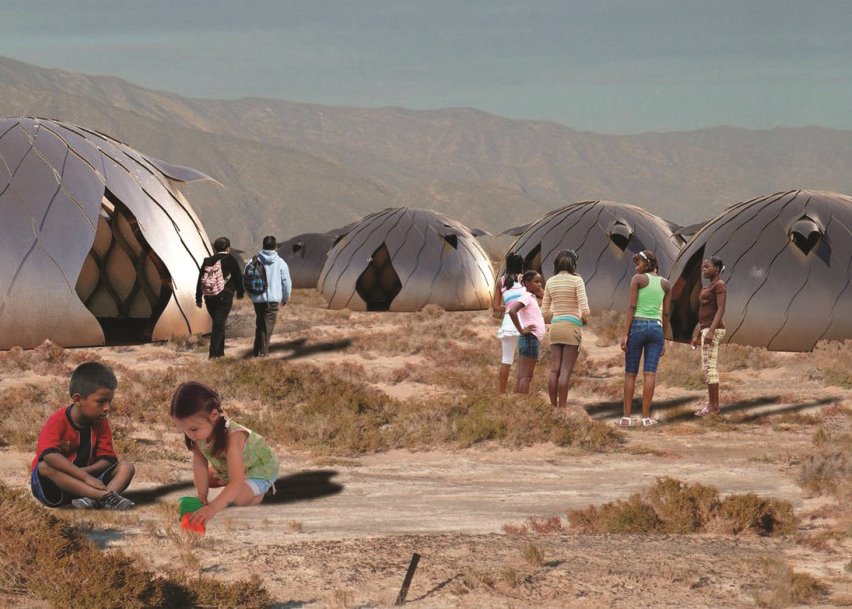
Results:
565 294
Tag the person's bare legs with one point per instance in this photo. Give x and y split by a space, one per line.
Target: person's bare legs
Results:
713 397
649 381
124 471
569 358
120 480
556 352
526 368
629 388
503 376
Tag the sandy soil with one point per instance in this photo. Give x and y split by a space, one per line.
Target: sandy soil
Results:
343 531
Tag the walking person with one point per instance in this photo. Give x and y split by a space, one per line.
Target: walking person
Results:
526 316
566 307
267 280
645 330
507 289
710 329
218 280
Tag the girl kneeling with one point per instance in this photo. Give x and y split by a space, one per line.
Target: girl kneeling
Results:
224 453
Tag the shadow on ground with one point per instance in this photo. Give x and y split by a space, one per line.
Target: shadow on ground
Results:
299 348
748 411
302 486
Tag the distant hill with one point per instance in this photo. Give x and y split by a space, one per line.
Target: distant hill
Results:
289 168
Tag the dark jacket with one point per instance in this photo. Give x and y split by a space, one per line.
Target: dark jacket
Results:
230 269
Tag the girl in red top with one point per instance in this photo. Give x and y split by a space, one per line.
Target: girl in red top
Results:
711 328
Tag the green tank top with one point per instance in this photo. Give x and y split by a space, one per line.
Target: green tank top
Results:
649 305
258 459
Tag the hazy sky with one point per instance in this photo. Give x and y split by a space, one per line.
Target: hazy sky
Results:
613 66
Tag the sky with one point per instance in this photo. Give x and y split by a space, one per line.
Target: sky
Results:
608 66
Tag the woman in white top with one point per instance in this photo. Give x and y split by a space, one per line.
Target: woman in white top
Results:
507 289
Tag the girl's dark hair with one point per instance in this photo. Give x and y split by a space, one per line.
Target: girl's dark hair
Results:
528 275
566 260
193 398
514 265
717 262
649 257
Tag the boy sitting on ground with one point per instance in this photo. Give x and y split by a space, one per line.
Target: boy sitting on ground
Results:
75 461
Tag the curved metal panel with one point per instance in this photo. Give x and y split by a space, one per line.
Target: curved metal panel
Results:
605 235
785 291
436 261
60 249
305 256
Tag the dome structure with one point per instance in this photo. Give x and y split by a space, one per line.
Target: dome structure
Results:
98 244
305 256
605 235
401 259
788 259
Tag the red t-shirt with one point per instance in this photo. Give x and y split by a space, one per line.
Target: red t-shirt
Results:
60 435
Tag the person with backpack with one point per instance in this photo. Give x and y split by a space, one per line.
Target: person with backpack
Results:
266 278
218 280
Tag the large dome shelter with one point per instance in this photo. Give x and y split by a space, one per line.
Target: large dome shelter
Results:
305 256
605 235
788 259
98 244
401 259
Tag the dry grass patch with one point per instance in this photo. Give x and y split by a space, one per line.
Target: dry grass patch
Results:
675 507
833 361
681 367
828 470
41 556
739 357
787 587
608 327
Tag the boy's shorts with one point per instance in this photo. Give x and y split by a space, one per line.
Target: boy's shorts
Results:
46 491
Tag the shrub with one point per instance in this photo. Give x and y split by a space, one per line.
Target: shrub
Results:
833 360
52 560
750 513
675 507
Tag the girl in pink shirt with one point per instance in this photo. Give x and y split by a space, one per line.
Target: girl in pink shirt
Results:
526 315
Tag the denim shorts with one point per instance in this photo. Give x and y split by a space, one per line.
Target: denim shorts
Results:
259 486
647 335
528 345
46 491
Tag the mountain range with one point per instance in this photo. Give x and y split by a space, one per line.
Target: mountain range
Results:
286 168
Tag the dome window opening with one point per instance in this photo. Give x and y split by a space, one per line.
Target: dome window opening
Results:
379 284
124 284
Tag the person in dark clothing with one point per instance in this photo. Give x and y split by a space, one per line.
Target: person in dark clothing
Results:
219 305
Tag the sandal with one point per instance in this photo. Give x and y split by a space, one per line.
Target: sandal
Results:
625 422
703 412
648 422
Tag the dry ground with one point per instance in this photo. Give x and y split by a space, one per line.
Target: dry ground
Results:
341 532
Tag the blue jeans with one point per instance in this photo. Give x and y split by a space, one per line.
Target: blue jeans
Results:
645 335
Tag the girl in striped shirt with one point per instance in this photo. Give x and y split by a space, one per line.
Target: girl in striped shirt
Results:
566 307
